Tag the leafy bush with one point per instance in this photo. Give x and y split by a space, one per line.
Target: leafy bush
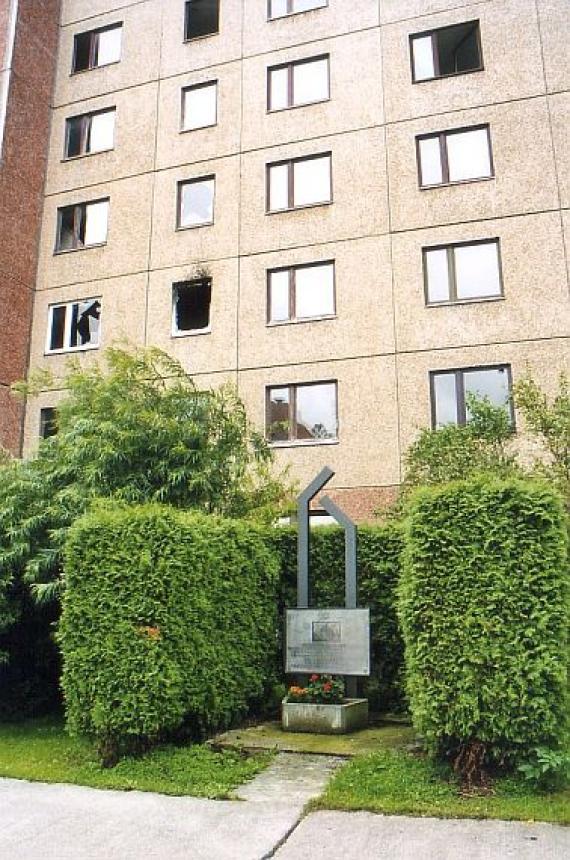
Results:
546 769
169 620
484 610
379 554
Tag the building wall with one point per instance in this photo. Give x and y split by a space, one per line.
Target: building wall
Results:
383 341
28 45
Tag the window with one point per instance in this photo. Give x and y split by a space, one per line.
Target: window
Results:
301 83
90 133
282 8
299 182
82 225
300 292
196 202
48 422
202 18
191 306
450 389
448 51
302 413
74 325
456 273
455 156
199 106
97 48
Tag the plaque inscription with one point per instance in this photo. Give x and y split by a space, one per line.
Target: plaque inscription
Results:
335 641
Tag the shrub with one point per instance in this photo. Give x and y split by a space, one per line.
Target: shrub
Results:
169 620
483 607
379 553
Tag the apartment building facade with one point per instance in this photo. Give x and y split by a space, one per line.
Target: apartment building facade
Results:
356 212
28 45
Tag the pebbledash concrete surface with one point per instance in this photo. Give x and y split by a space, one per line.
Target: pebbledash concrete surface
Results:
338 719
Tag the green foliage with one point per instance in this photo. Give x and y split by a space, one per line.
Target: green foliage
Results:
169 620
453 453
546 769
320 690
135 429
483 605
549 423
379 558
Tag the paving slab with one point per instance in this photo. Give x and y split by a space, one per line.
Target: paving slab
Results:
65 822
291 778
366 836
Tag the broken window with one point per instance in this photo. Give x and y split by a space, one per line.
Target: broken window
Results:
299 182
90 133
196 202
82 225
455 156
97 48
300 83
450 390
202 18
199 106
191 306
48 422
74 326
302 413
301 292
447 51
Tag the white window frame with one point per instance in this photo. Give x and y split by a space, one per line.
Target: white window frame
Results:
213 84
210 177
67 328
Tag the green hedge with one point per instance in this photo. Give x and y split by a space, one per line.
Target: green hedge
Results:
484 612
379 560
169 619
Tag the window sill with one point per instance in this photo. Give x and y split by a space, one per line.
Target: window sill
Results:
193 332
71 349
299 208
300 12
476 300
302 443
296 107
450 75
73 74
181 227
60 251
279 323
82 155
457 182
198 127
189 39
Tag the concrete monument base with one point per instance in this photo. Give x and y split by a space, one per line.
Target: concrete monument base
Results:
350 715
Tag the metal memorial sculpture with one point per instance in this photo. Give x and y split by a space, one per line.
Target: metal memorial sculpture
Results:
326 641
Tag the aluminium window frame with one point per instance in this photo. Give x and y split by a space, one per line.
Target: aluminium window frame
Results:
438 76
290 66
294 442
67 328
191 332
189 88
459 373
293 319
79 213
93 44
443 154
290 162
193 181
291 11
452 272
187 39
85 124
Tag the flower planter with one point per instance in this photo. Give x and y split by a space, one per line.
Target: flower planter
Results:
348 716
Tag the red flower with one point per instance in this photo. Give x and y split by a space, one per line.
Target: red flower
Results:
327 687
314 678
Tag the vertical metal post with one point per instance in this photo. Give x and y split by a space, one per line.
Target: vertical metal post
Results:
303 503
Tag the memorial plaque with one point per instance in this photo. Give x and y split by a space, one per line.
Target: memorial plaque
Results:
331 641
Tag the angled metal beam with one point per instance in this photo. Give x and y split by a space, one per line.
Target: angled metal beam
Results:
303 503
350 589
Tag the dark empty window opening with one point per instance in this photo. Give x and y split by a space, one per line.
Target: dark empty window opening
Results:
192 306
449 51
202 18
48 422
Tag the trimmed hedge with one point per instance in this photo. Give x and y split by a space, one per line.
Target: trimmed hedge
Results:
379 561
169 619
484 611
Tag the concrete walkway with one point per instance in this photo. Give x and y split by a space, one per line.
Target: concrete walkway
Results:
64 822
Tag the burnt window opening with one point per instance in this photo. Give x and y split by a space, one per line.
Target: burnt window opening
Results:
191 306
451 50
48 422
74 326
202 18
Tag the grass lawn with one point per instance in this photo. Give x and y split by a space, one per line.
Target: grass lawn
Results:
40 750
396 782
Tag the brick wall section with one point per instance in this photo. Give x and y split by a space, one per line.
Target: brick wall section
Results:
22 175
